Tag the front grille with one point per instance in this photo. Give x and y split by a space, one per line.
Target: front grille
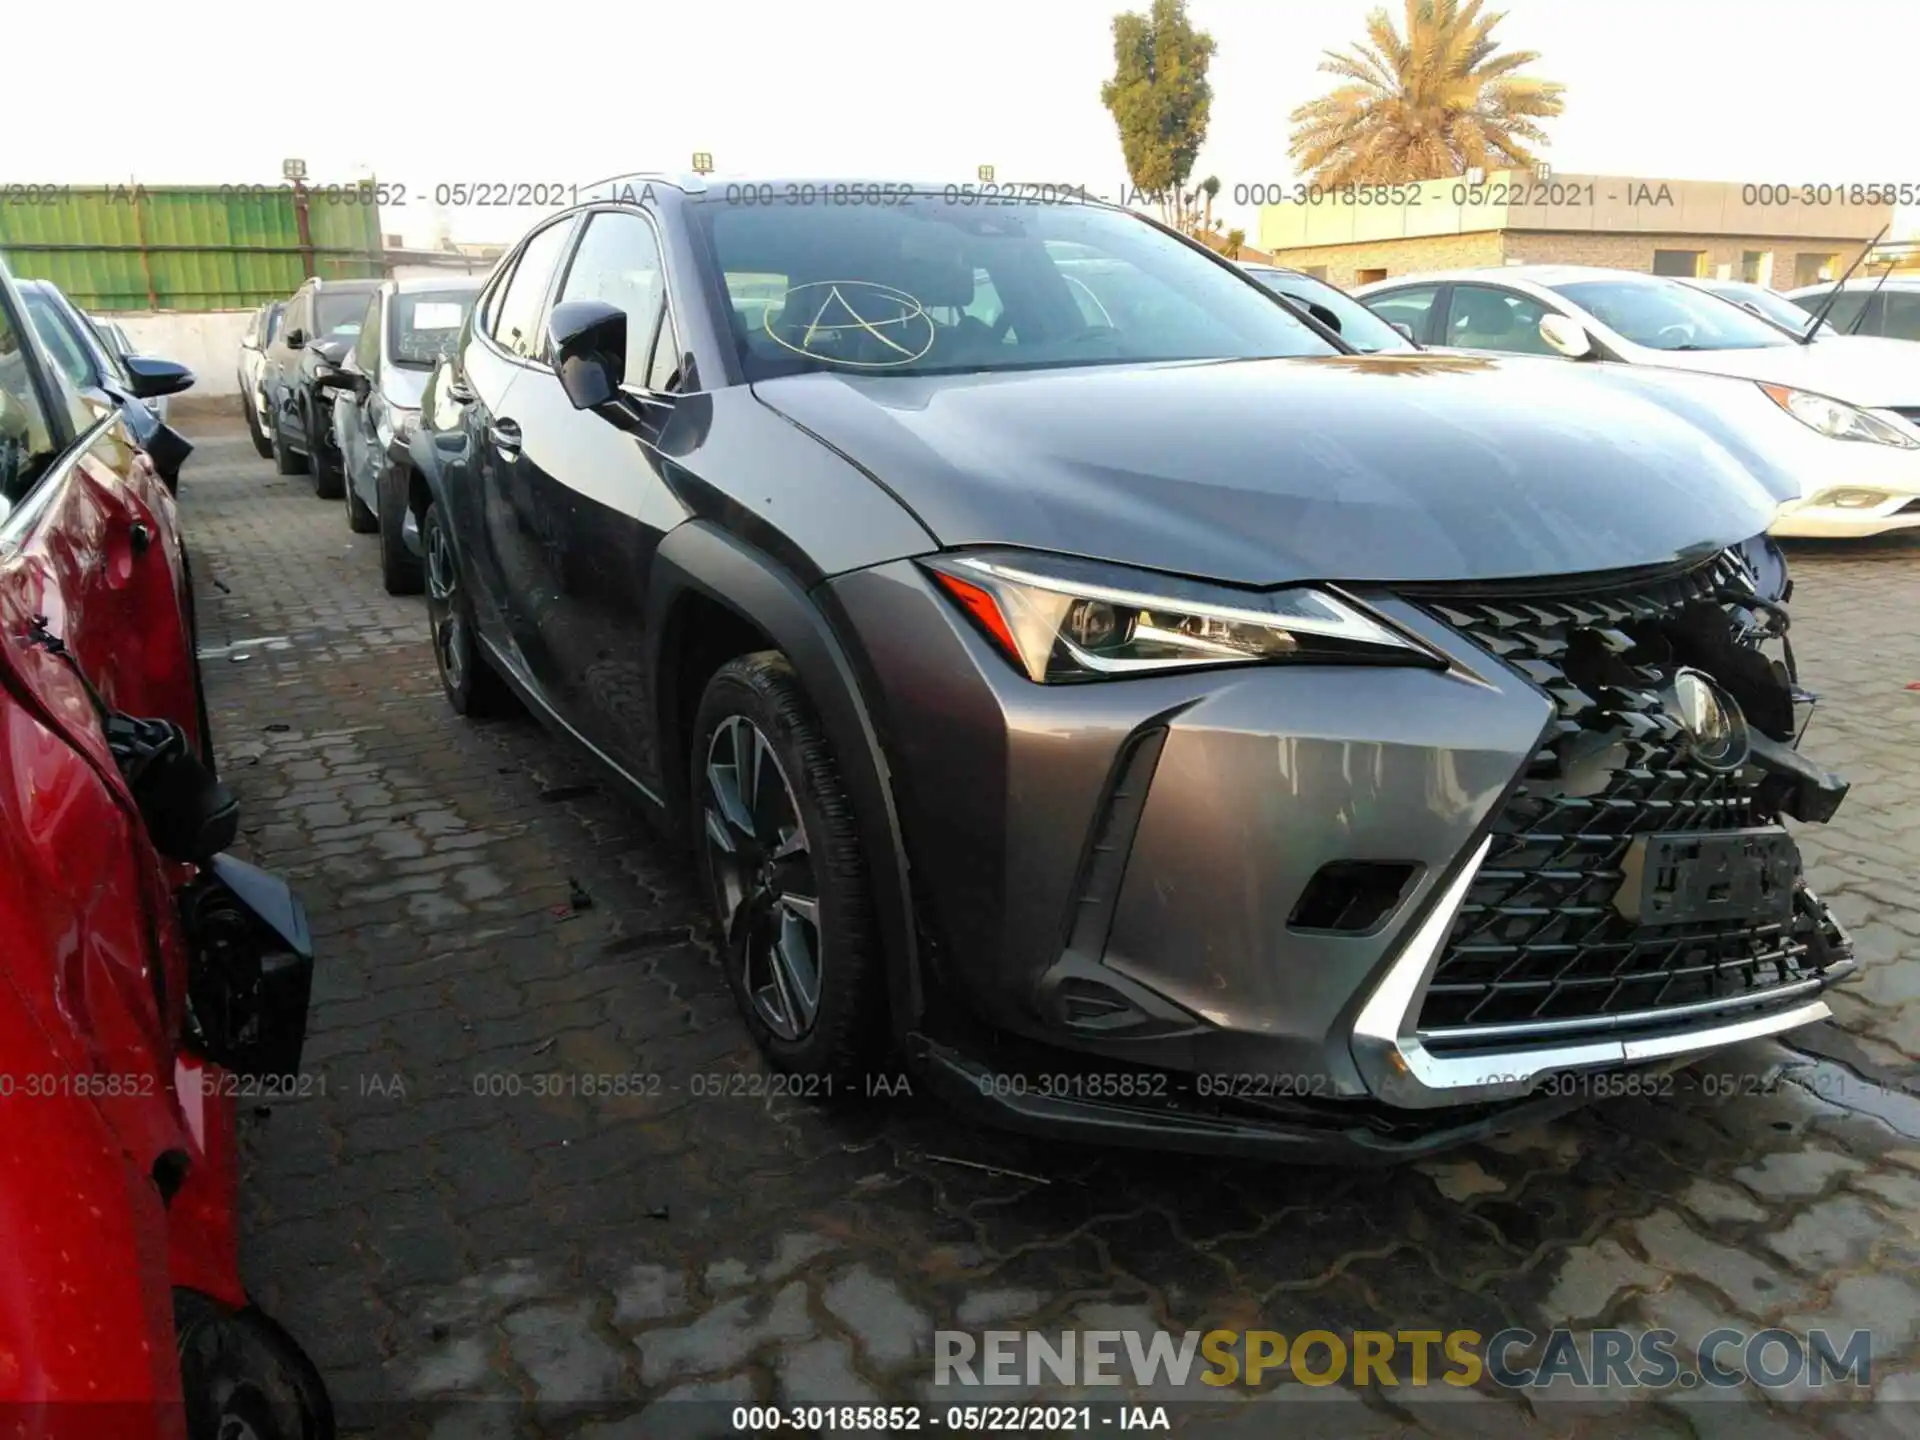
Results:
1538 944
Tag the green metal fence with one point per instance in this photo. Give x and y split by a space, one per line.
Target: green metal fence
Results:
230 247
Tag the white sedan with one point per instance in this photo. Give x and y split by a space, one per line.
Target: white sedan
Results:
1840 419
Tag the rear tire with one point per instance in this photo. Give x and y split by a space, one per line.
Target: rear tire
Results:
785 873
473 688
400 569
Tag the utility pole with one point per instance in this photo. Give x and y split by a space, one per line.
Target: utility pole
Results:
296 171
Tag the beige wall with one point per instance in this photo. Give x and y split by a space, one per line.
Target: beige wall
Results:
1718 252
1344 264
1397 257
1593 204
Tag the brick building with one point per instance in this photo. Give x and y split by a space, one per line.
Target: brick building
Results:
1760 232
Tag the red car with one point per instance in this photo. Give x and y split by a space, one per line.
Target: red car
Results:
141 971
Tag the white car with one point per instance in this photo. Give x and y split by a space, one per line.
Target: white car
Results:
1849 435
1869 305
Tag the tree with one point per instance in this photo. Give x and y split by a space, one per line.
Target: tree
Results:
1159 99
1438 102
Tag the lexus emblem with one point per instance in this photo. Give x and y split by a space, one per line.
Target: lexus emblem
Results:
1716 731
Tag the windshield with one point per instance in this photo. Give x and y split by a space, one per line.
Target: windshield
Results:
1776 307
426 324
339 312
1358 326
931 286
1671 316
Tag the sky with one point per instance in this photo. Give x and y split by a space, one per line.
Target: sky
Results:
575 90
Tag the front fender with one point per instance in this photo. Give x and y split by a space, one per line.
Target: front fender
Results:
699 557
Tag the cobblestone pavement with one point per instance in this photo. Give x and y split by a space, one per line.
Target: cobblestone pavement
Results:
486 914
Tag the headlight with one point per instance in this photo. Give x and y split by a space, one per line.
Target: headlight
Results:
1851 498
1063 620
1837 419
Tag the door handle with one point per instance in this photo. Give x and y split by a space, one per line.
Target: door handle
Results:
505 434
458 392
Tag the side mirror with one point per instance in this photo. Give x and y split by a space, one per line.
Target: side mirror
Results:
153 378
296 338
1568 337
589 339
1404 330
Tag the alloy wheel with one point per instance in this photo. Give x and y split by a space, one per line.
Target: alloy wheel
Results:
444 611
763 877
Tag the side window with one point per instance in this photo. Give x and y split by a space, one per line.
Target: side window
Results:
27 445
619 262
1406 307
61 342
1846 310
366 349
275 314
1480 317
516 315
1900 315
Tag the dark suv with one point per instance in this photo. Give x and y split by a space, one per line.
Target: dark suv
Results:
320 325
1078 669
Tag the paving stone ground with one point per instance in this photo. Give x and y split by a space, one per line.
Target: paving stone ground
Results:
450 1216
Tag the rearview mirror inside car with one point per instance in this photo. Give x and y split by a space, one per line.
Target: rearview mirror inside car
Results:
1405 330
1568 337
153 378
589 339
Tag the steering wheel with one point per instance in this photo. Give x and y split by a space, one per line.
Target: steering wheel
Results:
1679 329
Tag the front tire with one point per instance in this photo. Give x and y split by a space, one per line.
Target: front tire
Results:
472 686
261 445
360 520
286 460
327 479
400 569
785 873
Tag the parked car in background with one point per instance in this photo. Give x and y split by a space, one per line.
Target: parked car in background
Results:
1334 308
145 978
321 322
109 381
1058 698
1889 308
261 328
1769 305
409 326
1855 444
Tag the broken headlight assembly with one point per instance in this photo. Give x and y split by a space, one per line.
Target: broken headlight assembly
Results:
1063 620
1838 420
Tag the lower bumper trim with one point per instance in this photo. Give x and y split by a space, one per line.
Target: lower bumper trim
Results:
968 1086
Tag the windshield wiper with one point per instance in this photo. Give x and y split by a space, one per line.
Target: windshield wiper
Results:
1833 295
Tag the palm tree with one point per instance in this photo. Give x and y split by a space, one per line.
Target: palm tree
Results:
1438 102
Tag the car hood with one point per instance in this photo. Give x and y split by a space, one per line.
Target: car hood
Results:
1358 468
1864 370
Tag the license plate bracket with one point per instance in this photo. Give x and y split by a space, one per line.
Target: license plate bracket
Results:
1689 878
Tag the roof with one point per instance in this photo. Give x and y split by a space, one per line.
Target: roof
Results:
1529 274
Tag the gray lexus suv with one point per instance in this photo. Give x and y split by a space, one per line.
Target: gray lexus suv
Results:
1074 668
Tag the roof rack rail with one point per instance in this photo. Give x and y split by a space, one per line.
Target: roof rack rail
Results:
686 183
